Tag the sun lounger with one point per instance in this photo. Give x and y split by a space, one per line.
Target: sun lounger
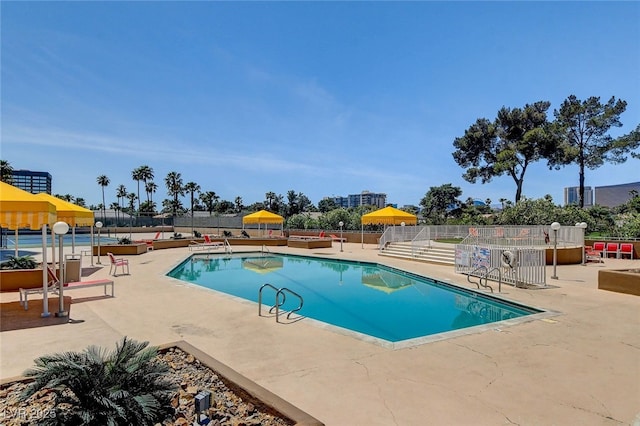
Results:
336 238
208 244
53 287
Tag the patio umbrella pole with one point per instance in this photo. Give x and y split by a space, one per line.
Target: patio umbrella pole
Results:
45 296
16 244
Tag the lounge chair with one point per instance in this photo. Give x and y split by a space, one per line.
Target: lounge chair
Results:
115 262
626 249
592 255
336 238
245 234
208 243
53 287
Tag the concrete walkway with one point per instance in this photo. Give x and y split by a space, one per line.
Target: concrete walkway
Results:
580 367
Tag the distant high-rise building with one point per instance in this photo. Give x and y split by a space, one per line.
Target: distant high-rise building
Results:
572 196
365 198
615 195
33 182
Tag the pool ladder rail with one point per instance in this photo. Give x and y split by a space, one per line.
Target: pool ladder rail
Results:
485 276
279 291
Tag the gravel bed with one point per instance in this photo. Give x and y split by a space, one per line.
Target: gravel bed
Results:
228 408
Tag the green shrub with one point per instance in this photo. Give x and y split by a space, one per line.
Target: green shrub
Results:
20 262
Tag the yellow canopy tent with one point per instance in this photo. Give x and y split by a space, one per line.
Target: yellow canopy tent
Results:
20 209
387 216
70 213
261 217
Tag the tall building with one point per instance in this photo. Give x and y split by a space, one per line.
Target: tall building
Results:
33 182
615 195
571 196
365 198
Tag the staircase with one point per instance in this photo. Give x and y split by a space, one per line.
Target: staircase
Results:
443 254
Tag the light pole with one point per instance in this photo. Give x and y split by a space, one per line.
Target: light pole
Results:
99 226
555 226
341 223
402 227
582 225
61 228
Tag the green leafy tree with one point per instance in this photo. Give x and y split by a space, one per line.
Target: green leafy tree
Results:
124 387
6 172
326 204
583 129
208 198
507 145
438 201
103 181
238 204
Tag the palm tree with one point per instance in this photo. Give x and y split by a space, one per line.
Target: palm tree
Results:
150 187
146 173
238 203
174 188
116 207
270 196
121 193
136 175
96 387
103 181
192 188
6 172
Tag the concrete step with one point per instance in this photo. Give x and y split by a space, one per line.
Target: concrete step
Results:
434 254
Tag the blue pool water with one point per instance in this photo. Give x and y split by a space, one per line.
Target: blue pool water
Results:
371 299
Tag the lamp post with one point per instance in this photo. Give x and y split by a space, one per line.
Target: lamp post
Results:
555 226
61 228
341 223
582 225
99 226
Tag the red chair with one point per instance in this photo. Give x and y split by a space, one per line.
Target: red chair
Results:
611 248
599 247
626 249
591 255
115 262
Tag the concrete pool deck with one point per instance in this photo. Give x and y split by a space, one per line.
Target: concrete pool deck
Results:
579 367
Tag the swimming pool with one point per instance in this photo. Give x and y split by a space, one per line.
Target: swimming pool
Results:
35 240
366 298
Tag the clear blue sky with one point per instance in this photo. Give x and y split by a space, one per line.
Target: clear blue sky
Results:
325 98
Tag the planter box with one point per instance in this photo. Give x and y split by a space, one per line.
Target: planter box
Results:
621 281
15 279
121 249
310 244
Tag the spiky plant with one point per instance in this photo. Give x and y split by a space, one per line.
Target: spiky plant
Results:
124 387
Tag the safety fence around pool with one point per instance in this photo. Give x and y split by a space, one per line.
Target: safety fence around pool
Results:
518 266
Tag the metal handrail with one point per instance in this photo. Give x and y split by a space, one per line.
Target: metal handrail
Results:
260 298
472 273
227 247
277 306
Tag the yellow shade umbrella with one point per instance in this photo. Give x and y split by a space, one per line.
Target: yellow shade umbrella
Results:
389 216
68 212
262 216
20 209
